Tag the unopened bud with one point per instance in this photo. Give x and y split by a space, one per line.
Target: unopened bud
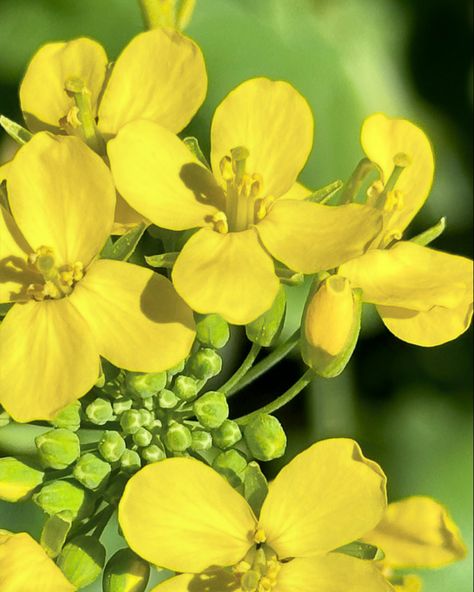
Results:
167 399
91 471
4 418
265 437
60 496
111 446
131 421
185 387
146 417
145 385
17 479
142 438
100 411
205 363
69 417
126 572
176 369
130 461
211 409
152 453
54 532
227 434
58 448
266 328
201 440
82 560
178 437
121 405
231 464
213 331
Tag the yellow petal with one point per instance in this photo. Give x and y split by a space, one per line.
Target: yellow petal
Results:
158 176
382 139
159 76
411 276
309 237
62 196
18 480
25 567
138 320
417 532
4 171
125 217
274 122
228 274
49 359
326 497
409 584
209 581
331 573
198 519
297 191
43 98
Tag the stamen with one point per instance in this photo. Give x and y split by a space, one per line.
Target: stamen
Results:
57 281
220 223
260 536
83 114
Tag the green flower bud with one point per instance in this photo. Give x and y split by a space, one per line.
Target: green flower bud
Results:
205 364
185 387
82 560
167 399
126 572
178 437
142 438
58 448
201 440
152 453
69 417
266 328
265 437
111 446
145 385
100 411
212 330
231 465
211 409
91 471
121 405
17 479
130 461
176 369
131 421
54 533
227 434
148 404
4 418
59 496
146 417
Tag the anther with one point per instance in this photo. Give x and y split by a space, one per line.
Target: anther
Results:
220 223
260 536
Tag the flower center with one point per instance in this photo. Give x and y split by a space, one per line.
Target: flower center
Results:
244 204
258 572
55 281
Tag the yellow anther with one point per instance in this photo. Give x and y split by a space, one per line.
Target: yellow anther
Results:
72 117
51 290
67 277
265 584
78 271
262 207
394 201
257 185
220 223
242 567
260 536
374 191
225 166
402 160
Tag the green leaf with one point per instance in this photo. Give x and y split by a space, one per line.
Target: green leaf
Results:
123 248
255 487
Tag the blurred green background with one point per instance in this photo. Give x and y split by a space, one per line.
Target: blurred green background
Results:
410 408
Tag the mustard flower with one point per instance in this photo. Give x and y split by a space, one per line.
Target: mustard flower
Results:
423 296
25 567
249 208
182 515
69 306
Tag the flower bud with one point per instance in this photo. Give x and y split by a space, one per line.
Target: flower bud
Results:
121 405
265 437
130 461
201 440
152 453
58 448
266 328
60 496
167 399
125 572
178 437
69 417
131 421
205 363
142 438
91 471
82 560
145 385
111 446
227 434
17 479
231 465
54 532
211 409
100 411
185 387
4 418
213 330
176 369
146 417
331 325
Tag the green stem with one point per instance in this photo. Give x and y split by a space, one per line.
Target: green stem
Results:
95 521
282 400
242 369
273 358
104 520
353 185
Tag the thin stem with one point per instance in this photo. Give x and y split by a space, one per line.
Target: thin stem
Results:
273 358
282 400
93 522
242 369
353 185
106 516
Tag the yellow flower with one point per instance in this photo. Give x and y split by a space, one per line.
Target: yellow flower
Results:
70 306
182 515
416 532
424 296
25 567
250 207
159 76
